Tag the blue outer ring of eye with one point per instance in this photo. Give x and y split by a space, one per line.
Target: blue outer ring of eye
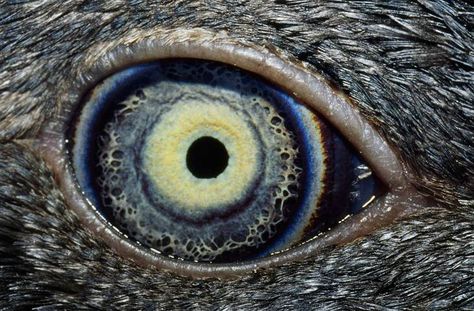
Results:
308 152
90 125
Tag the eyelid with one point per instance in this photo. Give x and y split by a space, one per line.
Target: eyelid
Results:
297 79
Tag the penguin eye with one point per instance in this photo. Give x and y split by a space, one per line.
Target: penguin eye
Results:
209 157
203 161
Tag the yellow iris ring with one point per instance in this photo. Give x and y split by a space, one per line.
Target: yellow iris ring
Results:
167 145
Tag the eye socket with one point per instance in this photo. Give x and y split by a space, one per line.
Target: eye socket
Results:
304 85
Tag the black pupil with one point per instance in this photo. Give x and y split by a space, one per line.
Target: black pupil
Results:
207 157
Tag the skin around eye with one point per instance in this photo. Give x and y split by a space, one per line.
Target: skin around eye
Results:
304 85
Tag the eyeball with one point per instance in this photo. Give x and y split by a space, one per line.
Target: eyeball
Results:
201 155
203 161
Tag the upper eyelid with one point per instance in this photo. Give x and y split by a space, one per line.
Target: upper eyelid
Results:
298 80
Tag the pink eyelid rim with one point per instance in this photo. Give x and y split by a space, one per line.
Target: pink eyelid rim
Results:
304 85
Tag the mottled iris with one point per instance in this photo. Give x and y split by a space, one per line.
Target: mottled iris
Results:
203 161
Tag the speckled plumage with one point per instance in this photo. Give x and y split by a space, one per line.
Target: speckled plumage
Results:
408 66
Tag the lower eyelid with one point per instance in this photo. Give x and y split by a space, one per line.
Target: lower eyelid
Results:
306 86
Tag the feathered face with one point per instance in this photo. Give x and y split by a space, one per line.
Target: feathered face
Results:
236 155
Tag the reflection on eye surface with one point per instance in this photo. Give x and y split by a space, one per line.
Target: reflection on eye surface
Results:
206 162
